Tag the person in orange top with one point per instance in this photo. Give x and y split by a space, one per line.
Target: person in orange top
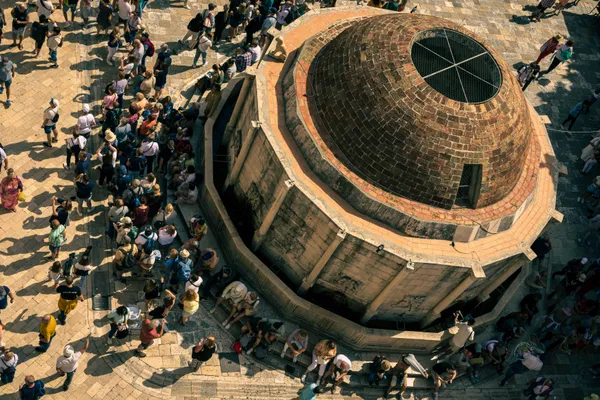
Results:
147 126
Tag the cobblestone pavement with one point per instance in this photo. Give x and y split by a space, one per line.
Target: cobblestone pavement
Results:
117 373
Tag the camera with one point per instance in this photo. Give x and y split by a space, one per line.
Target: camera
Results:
111 204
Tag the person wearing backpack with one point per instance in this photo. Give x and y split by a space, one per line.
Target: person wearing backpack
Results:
194 28
147 239
563 53
8 366
182 269
51 117
149 49
125 258
208 18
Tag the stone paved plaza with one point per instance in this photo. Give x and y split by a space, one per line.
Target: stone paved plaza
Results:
118 373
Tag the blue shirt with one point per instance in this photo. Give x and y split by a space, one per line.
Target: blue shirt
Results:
32 393
4 299
84 191
307 392
83 166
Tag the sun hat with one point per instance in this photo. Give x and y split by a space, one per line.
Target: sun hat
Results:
184 253
125 220
110 136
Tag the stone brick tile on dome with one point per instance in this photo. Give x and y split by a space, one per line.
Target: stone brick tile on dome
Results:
394 130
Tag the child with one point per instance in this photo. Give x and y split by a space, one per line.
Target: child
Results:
55 40
54 273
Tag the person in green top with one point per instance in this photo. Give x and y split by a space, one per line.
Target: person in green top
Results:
391 5
56 239
310 392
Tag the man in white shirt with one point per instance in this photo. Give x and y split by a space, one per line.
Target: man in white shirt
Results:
465 333
49 124
85 122
68 362
342 365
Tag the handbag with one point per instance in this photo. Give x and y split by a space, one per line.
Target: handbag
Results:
122 334
22 197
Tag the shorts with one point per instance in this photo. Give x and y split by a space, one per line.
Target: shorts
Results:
49 128
159 87
39 45
66 8
146 345
54 249
86 12
186 314
80 201
19 32
7 83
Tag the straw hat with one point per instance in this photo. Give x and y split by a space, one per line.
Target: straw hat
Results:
125 220
184 253
110 136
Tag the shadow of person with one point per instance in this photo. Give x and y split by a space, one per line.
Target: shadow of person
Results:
166 378
111 360
520 20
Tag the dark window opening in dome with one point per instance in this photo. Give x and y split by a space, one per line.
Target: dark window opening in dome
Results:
469 186
456 65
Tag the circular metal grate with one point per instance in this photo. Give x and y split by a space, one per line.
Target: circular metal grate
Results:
456 65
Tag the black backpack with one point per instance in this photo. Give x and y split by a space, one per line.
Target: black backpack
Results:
129 259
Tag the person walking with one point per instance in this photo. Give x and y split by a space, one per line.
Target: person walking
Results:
20 15
208 18
549 47
11 188
221 21
574 113
527 74
72 6
191 304
32 389
39 31
118 325
114 42
47 333
194 28
55 40
7 73
67 363
202 352
8 366
151 329
563 53
530 362
57 238
74 145
104 18
125 255
51 117
85 122
69 296
5 294
83 267
204 43
44 8
540 9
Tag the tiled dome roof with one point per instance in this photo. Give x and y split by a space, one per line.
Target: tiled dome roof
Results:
406 101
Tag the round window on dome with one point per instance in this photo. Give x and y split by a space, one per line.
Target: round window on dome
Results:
455 65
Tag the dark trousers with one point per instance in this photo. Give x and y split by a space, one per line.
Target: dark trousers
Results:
527 82
74 151
106 174
7 377
150 164
43 346
113 330
555 62
68 380
571 118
